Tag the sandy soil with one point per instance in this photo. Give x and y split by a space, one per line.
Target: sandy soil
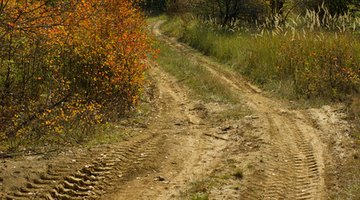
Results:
274 153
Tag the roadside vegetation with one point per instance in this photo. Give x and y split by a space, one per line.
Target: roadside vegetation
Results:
67 67
299 59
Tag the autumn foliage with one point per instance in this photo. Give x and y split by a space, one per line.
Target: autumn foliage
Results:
67 65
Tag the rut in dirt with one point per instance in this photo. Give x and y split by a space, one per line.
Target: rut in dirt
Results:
291 165
91 175
191 145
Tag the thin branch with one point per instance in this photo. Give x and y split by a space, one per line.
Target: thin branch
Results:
34 116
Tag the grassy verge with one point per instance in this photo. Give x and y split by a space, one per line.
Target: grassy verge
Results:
101 134
354 109
298 65
201 82
348 184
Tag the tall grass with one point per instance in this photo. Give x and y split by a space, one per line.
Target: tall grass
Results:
311 56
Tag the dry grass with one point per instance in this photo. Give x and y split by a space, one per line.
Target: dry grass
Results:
302 58
199 190
354 112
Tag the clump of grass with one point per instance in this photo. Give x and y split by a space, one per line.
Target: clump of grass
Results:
200 197
199 190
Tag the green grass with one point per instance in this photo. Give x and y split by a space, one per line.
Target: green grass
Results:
151 20
203 84
108 134
298 65
199 190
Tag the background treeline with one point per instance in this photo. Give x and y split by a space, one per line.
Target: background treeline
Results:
226 11
67 65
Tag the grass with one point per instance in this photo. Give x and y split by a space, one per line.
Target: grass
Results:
200 197
350 181
354 110
203 84
102 134
107 134
296 65
199 190
151 20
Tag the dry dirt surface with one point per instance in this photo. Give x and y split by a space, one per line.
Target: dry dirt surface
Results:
273 153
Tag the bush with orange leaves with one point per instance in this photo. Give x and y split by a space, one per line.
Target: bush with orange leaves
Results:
67 65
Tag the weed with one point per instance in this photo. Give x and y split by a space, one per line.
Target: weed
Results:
199 190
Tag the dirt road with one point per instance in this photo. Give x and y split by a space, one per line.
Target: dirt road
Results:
183 149
291 164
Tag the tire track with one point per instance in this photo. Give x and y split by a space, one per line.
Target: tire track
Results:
293 166
278 168
190 153
307 167
90 181
291 170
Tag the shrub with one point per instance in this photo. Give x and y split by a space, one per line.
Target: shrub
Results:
67 65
